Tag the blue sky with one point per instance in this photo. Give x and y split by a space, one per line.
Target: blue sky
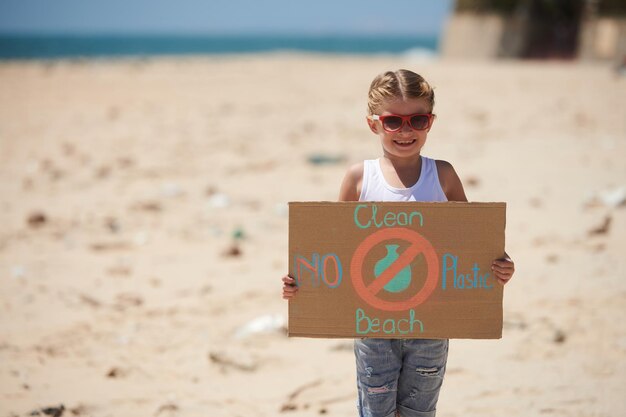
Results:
224 16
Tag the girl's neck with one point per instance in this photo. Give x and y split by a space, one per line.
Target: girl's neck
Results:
403 163
401 172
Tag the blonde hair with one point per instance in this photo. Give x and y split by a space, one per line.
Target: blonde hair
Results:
401 84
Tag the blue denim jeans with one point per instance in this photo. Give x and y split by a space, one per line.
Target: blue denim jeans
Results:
399 375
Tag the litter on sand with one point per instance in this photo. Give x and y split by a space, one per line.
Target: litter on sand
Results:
267 323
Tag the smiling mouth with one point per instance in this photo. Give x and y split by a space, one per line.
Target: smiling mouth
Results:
404 142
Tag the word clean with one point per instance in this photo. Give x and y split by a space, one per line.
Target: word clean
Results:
367 325
471 280
366 216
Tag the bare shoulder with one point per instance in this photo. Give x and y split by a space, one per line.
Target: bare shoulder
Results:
443 166
351 185
450 181
446 171
356 171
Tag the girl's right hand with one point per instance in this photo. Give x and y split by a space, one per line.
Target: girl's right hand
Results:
289 287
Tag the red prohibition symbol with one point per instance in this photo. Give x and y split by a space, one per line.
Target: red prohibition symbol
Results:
418 244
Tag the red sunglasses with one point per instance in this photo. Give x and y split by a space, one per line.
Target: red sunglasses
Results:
395 122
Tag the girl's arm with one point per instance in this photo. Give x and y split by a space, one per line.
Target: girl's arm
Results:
350 191
503 268
450 182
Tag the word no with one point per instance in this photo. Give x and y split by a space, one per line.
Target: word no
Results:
318 267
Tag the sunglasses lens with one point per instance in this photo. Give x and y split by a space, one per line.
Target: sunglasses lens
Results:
419 122
392 123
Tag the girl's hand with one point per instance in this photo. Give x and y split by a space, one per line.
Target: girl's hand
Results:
503 269
289 287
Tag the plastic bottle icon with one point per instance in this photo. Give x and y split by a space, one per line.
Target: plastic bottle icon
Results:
402 279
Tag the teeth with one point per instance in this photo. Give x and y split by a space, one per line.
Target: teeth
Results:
404 142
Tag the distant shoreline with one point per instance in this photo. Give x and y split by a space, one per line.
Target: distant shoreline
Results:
18 46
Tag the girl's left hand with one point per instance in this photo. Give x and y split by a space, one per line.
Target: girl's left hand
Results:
503 269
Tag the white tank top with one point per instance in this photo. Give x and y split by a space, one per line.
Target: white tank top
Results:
376 188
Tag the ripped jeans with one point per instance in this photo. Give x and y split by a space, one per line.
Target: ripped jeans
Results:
399 375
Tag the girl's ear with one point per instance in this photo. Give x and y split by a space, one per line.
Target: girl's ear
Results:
372 124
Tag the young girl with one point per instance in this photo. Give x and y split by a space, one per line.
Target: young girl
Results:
401 376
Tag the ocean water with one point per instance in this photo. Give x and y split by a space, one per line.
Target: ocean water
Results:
69 46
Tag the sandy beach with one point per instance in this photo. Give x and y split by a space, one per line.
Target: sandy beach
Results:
144 232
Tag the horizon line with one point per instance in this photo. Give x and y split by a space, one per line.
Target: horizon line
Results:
357 34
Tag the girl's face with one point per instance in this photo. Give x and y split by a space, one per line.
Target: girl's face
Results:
405 142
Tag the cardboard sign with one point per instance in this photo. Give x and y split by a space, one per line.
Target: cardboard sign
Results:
395 270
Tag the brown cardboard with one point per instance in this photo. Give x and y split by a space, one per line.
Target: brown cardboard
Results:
353 282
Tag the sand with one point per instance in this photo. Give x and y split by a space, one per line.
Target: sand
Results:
144 228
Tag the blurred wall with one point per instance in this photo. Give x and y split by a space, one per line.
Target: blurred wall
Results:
538 29
604 38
